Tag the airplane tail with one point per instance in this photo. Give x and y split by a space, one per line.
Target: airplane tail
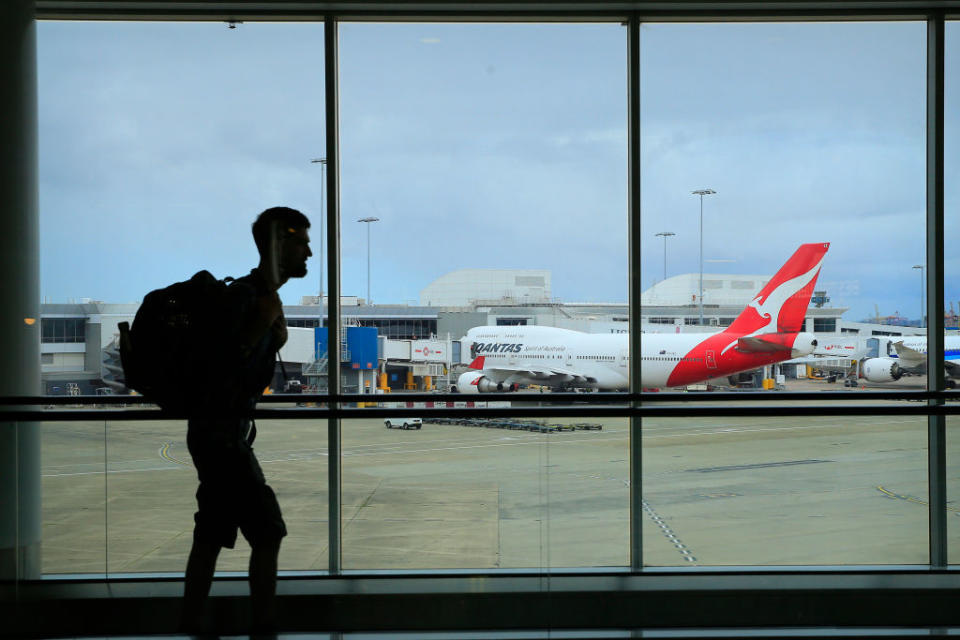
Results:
781 306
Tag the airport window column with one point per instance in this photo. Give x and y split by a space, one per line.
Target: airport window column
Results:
332 124
936 447
635 288
20 519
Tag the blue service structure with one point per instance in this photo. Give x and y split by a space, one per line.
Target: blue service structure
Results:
359 348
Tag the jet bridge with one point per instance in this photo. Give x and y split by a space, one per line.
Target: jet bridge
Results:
416 365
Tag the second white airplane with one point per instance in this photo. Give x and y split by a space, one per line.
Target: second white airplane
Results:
767 331
909 355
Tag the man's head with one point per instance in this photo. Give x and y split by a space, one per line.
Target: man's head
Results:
293 243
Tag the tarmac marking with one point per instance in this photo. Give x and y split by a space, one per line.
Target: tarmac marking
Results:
668 533
900 496
759 465
165 454
101 472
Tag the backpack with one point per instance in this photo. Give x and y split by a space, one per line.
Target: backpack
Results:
167 353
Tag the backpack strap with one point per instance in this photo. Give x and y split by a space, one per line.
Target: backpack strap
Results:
282 368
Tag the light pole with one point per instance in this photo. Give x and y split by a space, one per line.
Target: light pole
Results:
368 220
701 193
323 230
665 234
923 284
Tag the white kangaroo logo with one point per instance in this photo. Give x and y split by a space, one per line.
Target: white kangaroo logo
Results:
770 308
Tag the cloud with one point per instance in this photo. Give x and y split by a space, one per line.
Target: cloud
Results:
487 146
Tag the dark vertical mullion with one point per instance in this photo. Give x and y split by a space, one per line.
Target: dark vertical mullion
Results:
332 124
936 424
636 288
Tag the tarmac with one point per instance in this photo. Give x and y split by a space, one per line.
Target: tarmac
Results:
118 497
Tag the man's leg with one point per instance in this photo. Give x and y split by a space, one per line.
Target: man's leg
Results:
196 585
263 584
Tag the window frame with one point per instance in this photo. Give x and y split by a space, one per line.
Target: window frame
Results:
635 404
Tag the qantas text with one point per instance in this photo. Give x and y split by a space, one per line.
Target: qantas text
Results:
496 347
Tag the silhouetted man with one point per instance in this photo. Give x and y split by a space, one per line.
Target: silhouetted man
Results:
233 493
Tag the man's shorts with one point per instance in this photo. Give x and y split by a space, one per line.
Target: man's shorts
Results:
233 493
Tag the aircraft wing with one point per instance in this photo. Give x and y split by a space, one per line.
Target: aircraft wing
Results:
759 344
504 371
911 358
953 368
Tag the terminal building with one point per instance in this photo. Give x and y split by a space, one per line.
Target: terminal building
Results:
417 347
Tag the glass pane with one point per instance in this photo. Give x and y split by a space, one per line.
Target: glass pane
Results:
428 492
951 291
756 139
953 488
74 497
150 489
472 154
160 164
153 482
160 143
785 491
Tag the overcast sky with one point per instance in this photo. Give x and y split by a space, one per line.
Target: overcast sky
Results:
490 146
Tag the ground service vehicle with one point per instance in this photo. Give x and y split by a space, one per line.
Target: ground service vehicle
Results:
403 423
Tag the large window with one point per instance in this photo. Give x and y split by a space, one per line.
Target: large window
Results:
784 134
499 152
826 325
159 145
161 142
786 491
63 330
806 133
484 180
488 493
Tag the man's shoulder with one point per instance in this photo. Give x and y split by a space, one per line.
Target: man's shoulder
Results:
246 287
251 281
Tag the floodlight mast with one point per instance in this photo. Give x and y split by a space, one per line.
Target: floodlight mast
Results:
923 285
368 220
322 228
665 234
701 193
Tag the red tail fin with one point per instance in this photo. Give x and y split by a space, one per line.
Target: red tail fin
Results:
784 300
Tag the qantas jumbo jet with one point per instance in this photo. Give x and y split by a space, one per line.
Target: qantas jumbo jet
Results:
767 331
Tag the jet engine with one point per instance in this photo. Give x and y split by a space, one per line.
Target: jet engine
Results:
476 382
803 345
881 370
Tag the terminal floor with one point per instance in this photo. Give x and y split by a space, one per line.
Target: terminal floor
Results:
587 634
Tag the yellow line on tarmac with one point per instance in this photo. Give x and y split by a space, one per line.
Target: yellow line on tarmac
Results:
164 453
891 494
